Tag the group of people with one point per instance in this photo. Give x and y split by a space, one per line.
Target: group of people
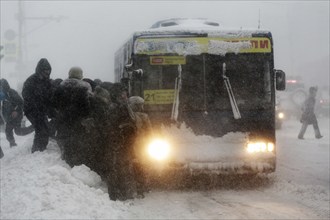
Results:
93 123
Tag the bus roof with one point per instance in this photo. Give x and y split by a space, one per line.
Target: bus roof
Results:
197 27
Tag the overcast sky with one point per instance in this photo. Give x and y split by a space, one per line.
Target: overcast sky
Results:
90 32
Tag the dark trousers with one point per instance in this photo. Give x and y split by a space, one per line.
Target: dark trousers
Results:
120 179
1 153
304 128
41 136
140 178
12 126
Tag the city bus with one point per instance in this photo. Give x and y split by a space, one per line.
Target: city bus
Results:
218 83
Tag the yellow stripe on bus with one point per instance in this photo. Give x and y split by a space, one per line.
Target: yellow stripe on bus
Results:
153 46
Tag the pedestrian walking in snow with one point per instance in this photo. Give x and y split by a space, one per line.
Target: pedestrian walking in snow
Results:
37 95
12 111
308 116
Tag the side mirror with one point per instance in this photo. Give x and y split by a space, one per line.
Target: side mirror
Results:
280 80
137 74
132 73
128 66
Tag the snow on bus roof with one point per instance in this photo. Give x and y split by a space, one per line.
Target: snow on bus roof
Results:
197 26
184 22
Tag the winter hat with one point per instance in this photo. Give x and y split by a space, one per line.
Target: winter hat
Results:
102 94
136 103
75 73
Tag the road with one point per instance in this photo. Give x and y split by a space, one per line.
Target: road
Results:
299 189
43 186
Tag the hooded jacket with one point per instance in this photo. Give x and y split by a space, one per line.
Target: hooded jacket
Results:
37 92
43 64
12 102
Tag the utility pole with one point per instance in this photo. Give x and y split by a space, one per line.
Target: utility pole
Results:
259 20
20 18
22 33
1 55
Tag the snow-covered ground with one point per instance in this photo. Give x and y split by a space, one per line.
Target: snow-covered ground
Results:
42 186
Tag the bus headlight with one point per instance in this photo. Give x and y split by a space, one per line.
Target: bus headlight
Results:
280 115
254 147
159 149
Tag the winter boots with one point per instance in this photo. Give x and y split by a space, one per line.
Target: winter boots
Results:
304 128
12 144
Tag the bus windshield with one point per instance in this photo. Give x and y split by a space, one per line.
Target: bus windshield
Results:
203 86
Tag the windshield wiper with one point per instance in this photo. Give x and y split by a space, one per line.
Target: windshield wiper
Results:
176 101
234 107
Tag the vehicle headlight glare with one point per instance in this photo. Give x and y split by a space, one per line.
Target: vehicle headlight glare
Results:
250 148
255 147
281 115
270 147
159 149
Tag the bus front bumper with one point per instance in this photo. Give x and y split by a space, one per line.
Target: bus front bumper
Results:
236 156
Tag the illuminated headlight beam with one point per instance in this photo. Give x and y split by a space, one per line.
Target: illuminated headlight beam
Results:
260 147
281 115
159 149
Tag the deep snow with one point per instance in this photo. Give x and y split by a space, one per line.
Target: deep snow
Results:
42 186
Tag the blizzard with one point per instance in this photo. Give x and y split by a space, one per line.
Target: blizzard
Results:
42 186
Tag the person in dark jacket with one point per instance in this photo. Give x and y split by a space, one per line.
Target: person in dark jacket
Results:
120 151
37 95
12 111
99 132
72 102
308 116
143 133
